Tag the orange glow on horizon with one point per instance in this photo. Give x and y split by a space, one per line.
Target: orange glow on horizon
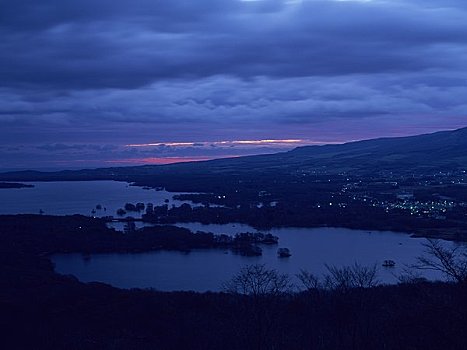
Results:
258 142
171 144
271 142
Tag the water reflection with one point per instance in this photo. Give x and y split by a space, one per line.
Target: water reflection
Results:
203 270
80 197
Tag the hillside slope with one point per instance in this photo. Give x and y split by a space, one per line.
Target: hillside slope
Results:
440 151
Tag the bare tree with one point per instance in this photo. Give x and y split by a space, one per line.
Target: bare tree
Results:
347 277
451 261
410 276
309 281
365 276
264 289
338 278
257 280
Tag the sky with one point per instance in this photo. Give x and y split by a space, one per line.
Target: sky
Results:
95 83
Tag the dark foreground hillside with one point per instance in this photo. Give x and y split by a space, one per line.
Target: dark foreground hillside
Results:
42 310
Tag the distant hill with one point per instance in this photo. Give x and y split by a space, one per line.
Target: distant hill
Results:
445 150
440 150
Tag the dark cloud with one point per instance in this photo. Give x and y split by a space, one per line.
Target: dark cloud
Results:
59 147
102 44
94 72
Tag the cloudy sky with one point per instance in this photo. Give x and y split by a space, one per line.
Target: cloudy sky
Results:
117 82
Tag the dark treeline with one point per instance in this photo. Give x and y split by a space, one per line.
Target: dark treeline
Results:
39 234
43 310
280 199
301 197
305 214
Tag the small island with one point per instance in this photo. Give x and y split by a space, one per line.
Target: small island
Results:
283 253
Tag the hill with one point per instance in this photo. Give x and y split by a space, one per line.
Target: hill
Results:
440 151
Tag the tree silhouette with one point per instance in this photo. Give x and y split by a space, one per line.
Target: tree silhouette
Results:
257 280
451 261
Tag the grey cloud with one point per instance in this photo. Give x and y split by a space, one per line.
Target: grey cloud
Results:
87 77
59 147
84 46
224 100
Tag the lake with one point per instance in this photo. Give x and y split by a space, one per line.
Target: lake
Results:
79 197
200 270
203 270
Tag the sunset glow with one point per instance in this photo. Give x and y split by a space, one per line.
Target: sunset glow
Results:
265 142
169 144
210 78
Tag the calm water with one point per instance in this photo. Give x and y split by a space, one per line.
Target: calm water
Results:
78 197
203 270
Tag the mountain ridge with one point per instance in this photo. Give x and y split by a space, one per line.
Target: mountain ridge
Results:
442 150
